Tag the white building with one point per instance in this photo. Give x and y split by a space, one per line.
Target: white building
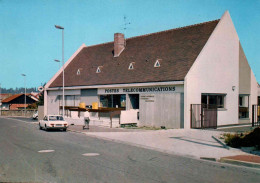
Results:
156 79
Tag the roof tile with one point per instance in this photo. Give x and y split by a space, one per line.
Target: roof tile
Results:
178 49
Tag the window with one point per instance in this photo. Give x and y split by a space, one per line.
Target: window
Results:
56 118
243 106
114 101
157 63
78 72
240 101
98 69
131 66
134 101
213 100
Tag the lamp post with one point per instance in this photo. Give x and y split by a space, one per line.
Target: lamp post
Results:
0 100
24 93
58 62
63 100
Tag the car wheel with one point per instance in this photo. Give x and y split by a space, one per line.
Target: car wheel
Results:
40 127
46 128
65 129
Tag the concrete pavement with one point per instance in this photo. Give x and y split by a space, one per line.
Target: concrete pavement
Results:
200 144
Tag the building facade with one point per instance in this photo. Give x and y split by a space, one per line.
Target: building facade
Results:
179 78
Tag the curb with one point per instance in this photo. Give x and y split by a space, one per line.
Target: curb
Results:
240 163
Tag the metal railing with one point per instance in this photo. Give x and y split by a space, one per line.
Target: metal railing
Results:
255 115
203 116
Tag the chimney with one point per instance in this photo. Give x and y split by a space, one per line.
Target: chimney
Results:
119 44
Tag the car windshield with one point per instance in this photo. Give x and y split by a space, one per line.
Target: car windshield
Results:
55 118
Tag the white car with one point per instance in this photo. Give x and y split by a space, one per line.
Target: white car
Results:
53 122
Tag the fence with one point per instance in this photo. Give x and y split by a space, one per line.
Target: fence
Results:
255 115
28 113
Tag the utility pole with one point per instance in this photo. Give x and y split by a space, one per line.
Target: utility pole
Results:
0 100
24 93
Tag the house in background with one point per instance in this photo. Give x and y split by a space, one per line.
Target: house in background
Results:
17 101
190 77
2 97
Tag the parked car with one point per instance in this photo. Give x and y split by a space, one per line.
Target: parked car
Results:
53 122
35 115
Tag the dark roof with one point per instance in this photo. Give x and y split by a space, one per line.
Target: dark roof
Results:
15 96
11 98
177 49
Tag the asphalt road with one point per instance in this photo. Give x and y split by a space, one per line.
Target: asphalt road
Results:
24 119
21 161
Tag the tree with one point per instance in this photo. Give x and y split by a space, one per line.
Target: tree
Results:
41 97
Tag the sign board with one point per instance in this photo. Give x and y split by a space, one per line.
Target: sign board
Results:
40 88
137 90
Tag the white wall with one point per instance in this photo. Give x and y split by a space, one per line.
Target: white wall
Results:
216 70
53 100
161 109
52 103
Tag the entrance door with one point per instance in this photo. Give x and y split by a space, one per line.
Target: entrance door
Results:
203 116
210 117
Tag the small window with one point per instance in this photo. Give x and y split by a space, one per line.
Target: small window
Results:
78 72
98 70
243 106
157 63
131 66
213 100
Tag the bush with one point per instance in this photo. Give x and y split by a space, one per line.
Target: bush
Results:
233 140
243 140
252 139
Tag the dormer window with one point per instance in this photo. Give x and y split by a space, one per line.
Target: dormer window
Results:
78 72
157 63
98 69
131 66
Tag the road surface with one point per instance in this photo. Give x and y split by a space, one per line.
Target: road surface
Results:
28 154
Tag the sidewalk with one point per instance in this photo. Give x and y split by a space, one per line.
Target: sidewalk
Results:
79 128
244 160
200 144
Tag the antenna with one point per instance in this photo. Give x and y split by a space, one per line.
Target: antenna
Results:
125 24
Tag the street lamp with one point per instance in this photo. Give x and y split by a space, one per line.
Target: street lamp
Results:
24 93
0 100
62 28
58 62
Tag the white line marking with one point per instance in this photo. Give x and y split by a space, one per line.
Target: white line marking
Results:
91 154
45 151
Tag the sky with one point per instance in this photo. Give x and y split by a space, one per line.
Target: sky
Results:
29 42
